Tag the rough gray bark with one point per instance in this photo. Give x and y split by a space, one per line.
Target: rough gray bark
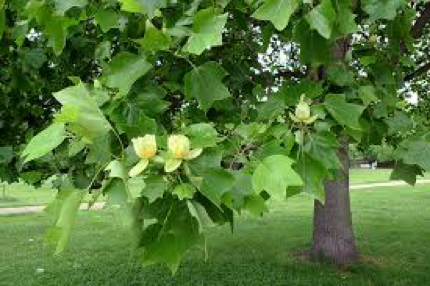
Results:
333 237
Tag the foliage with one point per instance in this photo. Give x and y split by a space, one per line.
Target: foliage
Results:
192 69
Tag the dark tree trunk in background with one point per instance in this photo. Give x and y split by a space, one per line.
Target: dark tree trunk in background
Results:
333 237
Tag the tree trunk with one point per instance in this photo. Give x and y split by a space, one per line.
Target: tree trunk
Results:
333 237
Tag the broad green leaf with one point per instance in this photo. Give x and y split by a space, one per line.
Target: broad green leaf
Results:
204 83
63 210
313 47
322 18
382 9
148 7
202 135
340 75
184 191
274 175
277 11
155 186
415 151
56 29
206 31
63 6
166 243
407 173
367 93
117 170
313 174
119 201
346 24
209 160
81 112
399 123
256 205
44 142
107 19
215 184
322 147
345 113
154 39
199 212
124 70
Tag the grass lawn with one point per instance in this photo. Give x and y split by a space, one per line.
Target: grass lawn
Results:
24 195
392 226
366 176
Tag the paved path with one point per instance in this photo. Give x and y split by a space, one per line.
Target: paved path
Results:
38 209
97 206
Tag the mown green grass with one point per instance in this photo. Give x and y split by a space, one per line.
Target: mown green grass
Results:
366 176
392 226
25 195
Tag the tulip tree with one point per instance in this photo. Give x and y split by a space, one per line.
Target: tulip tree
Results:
184 107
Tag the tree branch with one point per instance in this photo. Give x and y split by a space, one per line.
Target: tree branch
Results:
420 71
421 22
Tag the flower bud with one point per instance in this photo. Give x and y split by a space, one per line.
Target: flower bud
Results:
179 146
145 147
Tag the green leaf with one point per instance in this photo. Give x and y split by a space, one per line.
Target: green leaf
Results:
166 243
204 83
202 135
124 70
148 7
407 173
206 31
274 175
63 6
107 19
277 11
44 142
340 75
215 184
399 123
64 210
367 94
322 147
313 174
382 9
154 39
256 205
117 170
313 47
154 188
322 18
56 29
119 201
415 151
184 191
81 112
346 114
346 24
199 212
209 160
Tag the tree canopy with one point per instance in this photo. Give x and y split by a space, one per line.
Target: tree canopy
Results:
206 108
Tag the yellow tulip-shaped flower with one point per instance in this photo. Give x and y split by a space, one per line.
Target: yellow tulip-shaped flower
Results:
145 148
303 112
179 150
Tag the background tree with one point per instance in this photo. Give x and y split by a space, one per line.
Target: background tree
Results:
229 75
